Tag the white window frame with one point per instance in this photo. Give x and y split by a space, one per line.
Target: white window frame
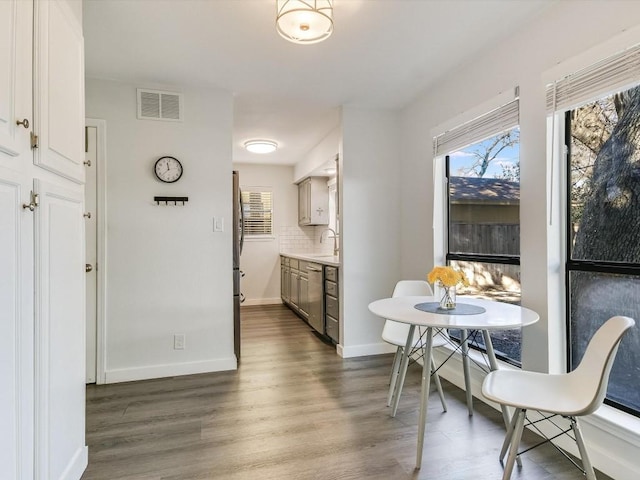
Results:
251 237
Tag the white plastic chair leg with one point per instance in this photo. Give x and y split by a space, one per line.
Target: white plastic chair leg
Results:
516 436
586 463
394 375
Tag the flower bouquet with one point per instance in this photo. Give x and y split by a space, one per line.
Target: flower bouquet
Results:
448 278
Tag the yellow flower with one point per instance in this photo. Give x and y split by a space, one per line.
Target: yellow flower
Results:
447 276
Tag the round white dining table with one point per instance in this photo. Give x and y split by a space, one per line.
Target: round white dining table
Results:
492 316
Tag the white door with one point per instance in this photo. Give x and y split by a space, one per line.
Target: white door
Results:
59 329
16 243
91 247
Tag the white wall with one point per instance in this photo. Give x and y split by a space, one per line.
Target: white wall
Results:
567 30
167 271
370 224
260 260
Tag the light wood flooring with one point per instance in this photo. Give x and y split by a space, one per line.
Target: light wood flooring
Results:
294 410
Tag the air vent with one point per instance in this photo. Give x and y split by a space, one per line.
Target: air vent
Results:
159 105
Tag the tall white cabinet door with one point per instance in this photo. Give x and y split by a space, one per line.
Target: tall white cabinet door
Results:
60 333
15 83
16 328
59 90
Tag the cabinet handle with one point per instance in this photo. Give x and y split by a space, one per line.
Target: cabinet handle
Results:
35 201
24 123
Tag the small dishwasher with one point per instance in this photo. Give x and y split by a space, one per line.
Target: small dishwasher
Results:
316 314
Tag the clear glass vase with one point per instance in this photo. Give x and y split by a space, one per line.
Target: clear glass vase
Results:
447 298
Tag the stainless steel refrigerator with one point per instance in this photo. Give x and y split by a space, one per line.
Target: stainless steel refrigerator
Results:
238 241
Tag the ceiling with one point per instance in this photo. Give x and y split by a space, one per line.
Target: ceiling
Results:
382 54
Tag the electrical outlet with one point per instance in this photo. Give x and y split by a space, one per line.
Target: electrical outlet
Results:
179 341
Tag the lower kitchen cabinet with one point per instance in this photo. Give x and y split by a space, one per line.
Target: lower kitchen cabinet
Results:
311 291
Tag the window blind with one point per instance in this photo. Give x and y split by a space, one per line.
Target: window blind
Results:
496 121
258 212
608 75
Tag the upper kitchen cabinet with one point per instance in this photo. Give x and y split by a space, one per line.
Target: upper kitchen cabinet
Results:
15 83
59 91
313 201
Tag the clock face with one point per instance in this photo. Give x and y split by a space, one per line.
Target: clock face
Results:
168 169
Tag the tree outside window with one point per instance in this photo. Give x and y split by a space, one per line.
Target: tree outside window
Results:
603 232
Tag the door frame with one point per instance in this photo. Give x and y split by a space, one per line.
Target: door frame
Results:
101 253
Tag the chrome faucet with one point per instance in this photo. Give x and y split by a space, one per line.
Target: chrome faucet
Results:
335 239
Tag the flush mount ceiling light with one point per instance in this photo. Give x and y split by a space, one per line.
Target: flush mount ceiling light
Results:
304 21
261 146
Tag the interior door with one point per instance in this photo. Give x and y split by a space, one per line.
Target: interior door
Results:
91 247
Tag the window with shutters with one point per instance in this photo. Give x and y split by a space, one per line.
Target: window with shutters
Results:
599 108
482 166
257 206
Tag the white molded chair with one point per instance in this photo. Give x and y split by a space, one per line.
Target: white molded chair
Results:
396 334
570 395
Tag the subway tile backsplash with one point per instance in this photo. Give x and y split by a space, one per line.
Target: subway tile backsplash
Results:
297 239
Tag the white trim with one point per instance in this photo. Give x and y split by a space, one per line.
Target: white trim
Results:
170 370
101 236
77 465
259 238
262 301
364 350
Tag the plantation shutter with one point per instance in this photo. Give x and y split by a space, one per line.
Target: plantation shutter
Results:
606 76
258 212
499 120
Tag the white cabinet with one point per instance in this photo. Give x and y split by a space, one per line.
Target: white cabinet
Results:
41 245
59 87
59 321
313 201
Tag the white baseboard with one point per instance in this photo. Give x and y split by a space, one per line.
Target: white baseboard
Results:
261 301
170 370
364 350
77 465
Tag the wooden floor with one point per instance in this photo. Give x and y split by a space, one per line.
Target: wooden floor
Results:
293 410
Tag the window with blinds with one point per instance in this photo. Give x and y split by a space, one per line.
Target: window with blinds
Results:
482 167
257 206
601 109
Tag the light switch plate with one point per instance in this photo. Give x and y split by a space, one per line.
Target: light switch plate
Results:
218 224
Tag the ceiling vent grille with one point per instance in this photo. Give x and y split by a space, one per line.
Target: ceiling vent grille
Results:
159 105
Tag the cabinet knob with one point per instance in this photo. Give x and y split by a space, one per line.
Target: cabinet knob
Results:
88 267
24 123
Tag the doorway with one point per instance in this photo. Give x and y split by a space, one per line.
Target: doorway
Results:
95 231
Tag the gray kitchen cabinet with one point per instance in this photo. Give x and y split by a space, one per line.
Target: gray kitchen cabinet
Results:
285 280
313 201
332 303
303 290
294 291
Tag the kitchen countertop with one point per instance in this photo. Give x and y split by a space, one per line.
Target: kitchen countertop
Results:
323 258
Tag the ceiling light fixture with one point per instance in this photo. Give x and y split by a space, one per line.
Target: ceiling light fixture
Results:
304 21
261 146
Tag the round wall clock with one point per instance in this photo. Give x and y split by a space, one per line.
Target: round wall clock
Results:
168 169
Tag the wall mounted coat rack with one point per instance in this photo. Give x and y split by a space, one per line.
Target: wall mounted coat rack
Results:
168 200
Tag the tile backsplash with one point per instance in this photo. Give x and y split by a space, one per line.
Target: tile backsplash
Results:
297 239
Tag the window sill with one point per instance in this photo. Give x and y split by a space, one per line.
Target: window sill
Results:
259 238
